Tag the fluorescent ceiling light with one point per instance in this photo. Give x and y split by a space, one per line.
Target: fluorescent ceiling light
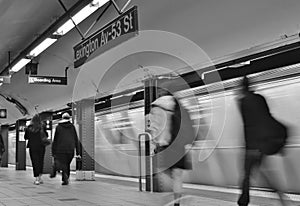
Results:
80 16
20 65
42 46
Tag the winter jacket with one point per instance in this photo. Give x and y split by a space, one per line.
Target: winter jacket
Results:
65 139
255 114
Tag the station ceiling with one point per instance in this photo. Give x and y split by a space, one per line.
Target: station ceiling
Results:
217 27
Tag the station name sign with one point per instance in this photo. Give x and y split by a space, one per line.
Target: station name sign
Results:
47 80
115 32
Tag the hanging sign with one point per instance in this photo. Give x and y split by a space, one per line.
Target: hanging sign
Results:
5 79
117 31
47 80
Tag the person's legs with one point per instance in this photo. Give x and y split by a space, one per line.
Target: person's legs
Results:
272 178
177 185
60 163
252 159
63 162
41 164
34 156
69 158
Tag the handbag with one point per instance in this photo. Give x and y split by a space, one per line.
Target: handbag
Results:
274 136
44 137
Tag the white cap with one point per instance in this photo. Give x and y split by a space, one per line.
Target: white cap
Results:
66 116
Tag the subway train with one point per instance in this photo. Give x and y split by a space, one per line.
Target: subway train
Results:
217 155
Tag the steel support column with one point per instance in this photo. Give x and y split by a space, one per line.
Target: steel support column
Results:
4 133
149 97
46 118
85 116
20 145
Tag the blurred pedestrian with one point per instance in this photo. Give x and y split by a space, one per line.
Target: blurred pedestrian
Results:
34 134
171 129
64 143
256 116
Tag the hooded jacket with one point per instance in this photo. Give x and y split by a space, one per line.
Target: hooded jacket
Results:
65 139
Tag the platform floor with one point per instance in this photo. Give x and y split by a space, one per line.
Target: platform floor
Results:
17 188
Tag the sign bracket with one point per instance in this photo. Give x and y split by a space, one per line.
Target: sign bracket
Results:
98 18
66 72
111 2
62 4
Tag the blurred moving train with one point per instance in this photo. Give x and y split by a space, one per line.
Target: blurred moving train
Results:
218 151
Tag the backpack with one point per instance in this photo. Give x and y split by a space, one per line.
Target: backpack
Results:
274 137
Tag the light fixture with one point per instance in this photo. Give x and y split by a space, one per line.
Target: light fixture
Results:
241 64
80 16
42 46
20 64
67 26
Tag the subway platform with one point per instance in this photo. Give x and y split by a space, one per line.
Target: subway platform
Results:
17 189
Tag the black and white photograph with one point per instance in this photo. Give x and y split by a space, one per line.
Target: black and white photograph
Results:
149 102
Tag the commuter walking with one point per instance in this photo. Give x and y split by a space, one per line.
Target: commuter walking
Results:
171 129
64 143
34 133
256 117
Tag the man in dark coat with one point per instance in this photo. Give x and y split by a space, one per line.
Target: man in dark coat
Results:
255 114
64 143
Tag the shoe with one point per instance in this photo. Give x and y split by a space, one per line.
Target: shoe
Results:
65 182
52 175
41 181
65 177
36 182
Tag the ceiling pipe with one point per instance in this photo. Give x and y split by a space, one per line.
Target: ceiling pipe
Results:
48 33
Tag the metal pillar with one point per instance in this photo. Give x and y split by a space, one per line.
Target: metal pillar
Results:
4 133
20 145
85 116
46 118
149 97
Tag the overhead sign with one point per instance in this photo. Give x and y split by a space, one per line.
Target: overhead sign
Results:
115 32
3 113
47 80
